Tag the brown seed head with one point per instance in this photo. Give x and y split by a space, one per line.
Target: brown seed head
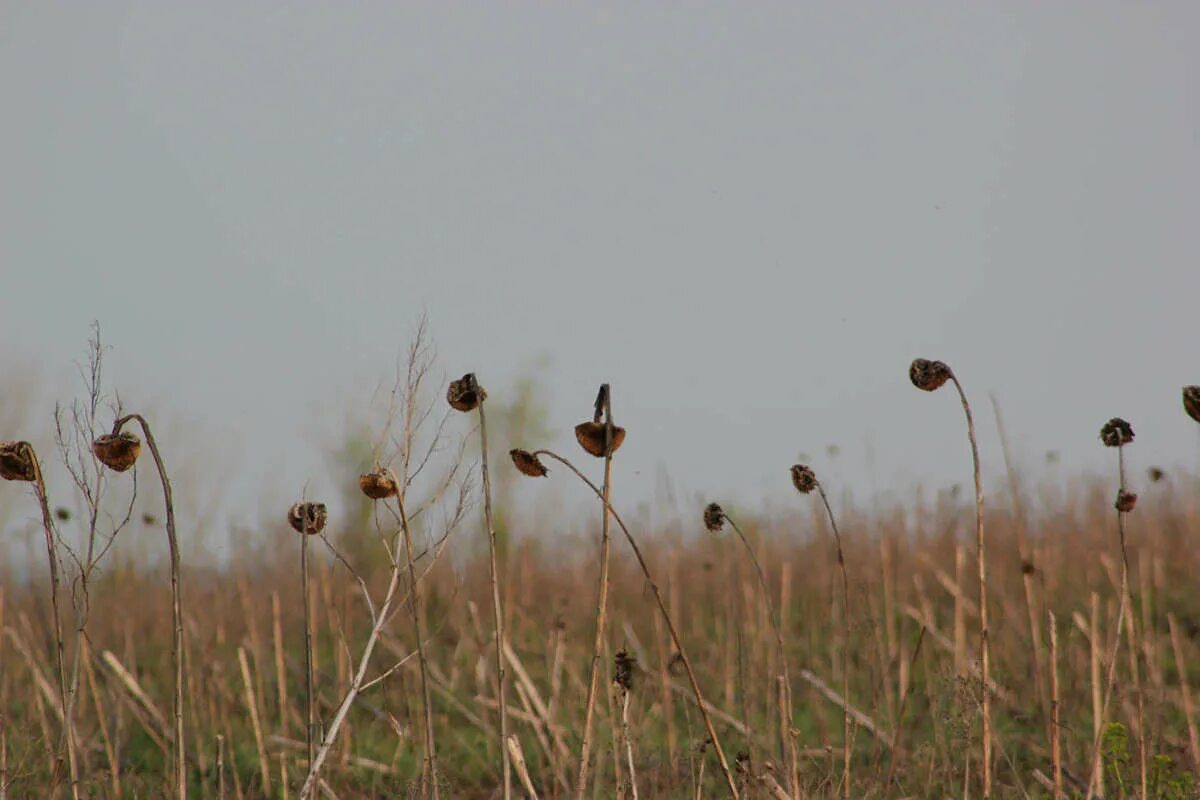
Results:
1116 432
465 394
118 452
62 514
803 478
623 666
377 485
1156 474
527 463
591 437
1027 567
16 461
308 518
1191 401
1125 501
929 375
714 517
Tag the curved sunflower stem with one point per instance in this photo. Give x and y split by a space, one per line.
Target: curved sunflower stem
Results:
176 602
60 661
662 607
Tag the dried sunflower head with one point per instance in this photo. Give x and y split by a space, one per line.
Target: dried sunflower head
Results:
929 375
377 485
465 394
16 461
1191 401
1116 432
590 436
1125 501
118 451
803 478
714 517
308 518
527 463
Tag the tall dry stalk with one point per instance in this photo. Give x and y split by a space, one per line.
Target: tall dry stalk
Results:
19 462
598 440
463 395
308 519
418 618
623 666
930 376
118 451
529 463
1118 433
714 519
805 480
379 485
1055 712
1028 568
74 435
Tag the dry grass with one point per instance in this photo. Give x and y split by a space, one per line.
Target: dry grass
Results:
549 628
766 648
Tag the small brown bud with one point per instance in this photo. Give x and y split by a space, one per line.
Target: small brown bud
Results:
1191 401
118 451
62 514
803 478
465 394
1027 567
929 375
308 518
16 461
714 517
1156 474
1116 432
591 437
377 485
623 666
1125 501
527 463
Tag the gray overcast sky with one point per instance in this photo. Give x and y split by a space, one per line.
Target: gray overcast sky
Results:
747 217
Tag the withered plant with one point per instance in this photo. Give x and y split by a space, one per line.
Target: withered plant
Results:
530 463
805 481
929 376
19 462
599 439
715 518
308 519
420 442
76 434
118 451
1117 433
466 395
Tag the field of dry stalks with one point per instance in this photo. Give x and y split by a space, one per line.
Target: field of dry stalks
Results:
413 646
